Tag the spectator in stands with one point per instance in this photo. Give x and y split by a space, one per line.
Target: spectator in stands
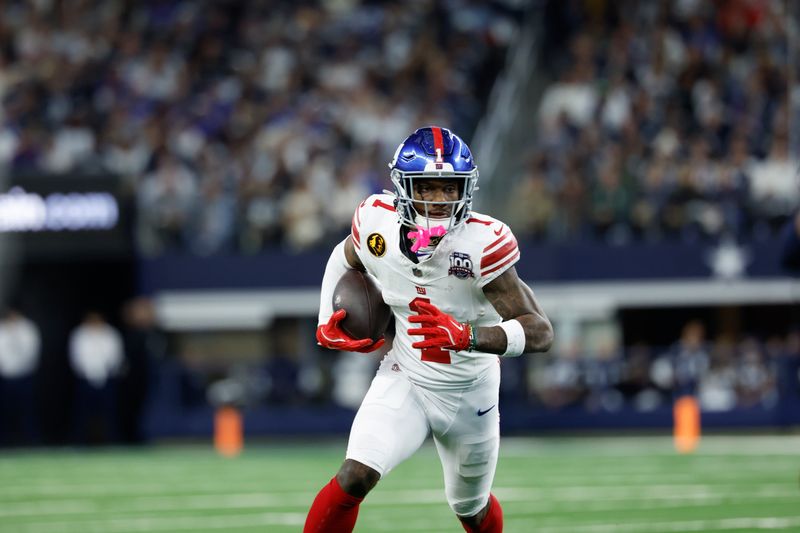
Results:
96 356
755 385
353 184
212 223
144 346
775 184
19 359
560 384
636 385
302 218
573 99
533 204
602 374
167 198
283 366
717 390
681 369
786 354
610 203
790 252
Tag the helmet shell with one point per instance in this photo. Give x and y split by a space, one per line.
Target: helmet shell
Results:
428 153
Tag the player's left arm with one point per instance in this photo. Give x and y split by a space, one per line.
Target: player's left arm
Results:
514 300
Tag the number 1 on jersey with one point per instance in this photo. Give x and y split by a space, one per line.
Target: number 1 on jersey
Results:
432 355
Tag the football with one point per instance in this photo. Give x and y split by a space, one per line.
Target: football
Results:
367 314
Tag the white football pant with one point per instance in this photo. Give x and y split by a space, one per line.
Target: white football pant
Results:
395 417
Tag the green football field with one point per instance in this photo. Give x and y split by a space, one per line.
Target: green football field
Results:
565 485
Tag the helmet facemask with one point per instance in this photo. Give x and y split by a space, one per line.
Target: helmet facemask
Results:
414 212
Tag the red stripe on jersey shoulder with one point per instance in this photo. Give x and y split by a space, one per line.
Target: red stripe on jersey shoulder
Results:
495 243
355 235
479 221
355 225
357 216
501 265
500 253
378 203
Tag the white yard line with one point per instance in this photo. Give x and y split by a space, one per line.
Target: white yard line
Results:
747 524
710 470
591 499
744 523
414 496
167 523
650 446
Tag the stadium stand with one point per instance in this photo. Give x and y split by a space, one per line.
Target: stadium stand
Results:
231 121
665 121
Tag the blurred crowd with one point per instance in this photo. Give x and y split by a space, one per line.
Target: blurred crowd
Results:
242 125
723 373
239 125
665 121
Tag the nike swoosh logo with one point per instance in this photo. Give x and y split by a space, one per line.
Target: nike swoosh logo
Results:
481 413
498 232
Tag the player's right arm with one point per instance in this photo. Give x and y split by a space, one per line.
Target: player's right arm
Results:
329 334
350 254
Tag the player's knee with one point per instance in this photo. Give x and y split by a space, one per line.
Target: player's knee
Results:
357 479
473 509
478 459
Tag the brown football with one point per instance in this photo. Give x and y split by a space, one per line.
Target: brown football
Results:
367 314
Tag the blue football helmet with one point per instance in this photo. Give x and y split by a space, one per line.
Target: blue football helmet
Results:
432 152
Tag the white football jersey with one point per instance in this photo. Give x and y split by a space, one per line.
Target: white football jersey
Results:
452 278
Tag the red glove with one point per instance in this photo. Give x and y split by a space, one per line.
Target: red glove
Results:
331 336
439 329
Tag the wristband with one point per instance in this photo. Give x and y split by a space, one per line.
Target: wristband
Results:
473 338
515 338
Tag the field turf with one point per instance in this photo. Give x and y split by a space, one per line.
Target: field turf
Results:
564 485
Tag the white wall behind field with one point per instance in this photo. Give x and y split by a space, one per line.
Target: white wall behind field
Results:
241 310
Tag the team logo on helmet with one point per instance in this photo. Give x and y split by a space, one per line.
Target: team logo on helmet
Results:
460 266
376 244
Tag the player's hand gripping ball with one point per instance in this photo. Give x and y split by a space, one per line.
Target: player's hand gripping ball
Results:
439 329
360 316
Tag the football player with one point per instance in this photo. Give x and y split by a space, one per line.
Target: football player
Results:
448 275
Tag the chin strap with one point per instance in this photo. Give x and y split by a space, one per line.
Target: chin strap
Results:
422 237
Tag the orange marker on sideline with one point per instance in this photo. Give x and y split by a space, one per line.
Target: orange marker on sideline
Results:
228 431
686 432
